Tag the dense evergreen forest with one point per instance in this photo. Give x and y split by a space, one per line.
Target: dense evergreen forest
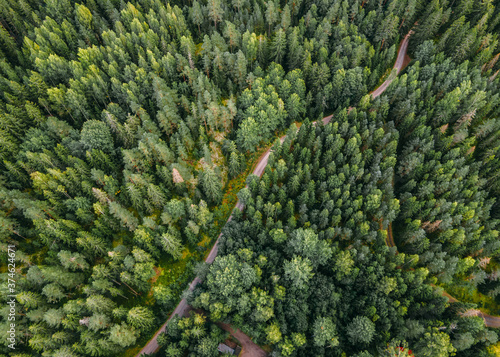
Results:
128 127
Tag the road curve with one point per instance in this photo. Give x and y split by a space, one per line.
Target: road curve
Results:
152 346
489 321
398 66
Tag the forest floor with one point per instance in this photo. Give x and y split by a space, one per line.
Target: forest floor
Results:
390 238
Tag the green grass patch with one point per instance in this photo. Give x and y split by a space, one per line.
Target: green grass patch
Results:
385 76
224 210
133 351
465 293
494 349
205 241
172 270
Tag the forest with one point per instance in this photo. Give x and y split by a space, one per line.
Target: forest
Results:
130 129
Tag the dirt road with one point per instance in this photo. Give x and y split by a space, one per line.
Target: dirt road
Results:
398 66
489 321
181 309
249 349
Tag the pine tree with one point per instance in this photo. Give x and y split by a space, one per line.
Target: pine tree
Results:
215 11
100 303
126 217
278 46
360 330
298 271
140 317
234 164
171 245
197 15
96 135
324 332
233 35
123 335
271 14
212 186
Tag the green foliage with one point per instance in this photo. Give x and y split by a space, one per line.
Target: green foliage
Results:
434 343
212 186
298 271
324 332
95 135
121 123
122 335
332 272
194 333
360 330
140 317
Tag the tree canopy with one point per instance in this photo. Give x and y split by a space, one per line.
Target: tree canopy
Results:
128 127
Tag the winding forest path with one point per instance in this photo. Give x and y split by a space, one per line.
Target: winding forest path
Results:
183 307
399 65
489 320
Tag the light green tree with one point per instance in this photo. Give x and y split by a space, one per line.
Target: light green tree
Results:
196 14
212 186
172 245
298 271
434 343
123 335
249 135
215 11
95 134
360 330
325 332
140 317
278 46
